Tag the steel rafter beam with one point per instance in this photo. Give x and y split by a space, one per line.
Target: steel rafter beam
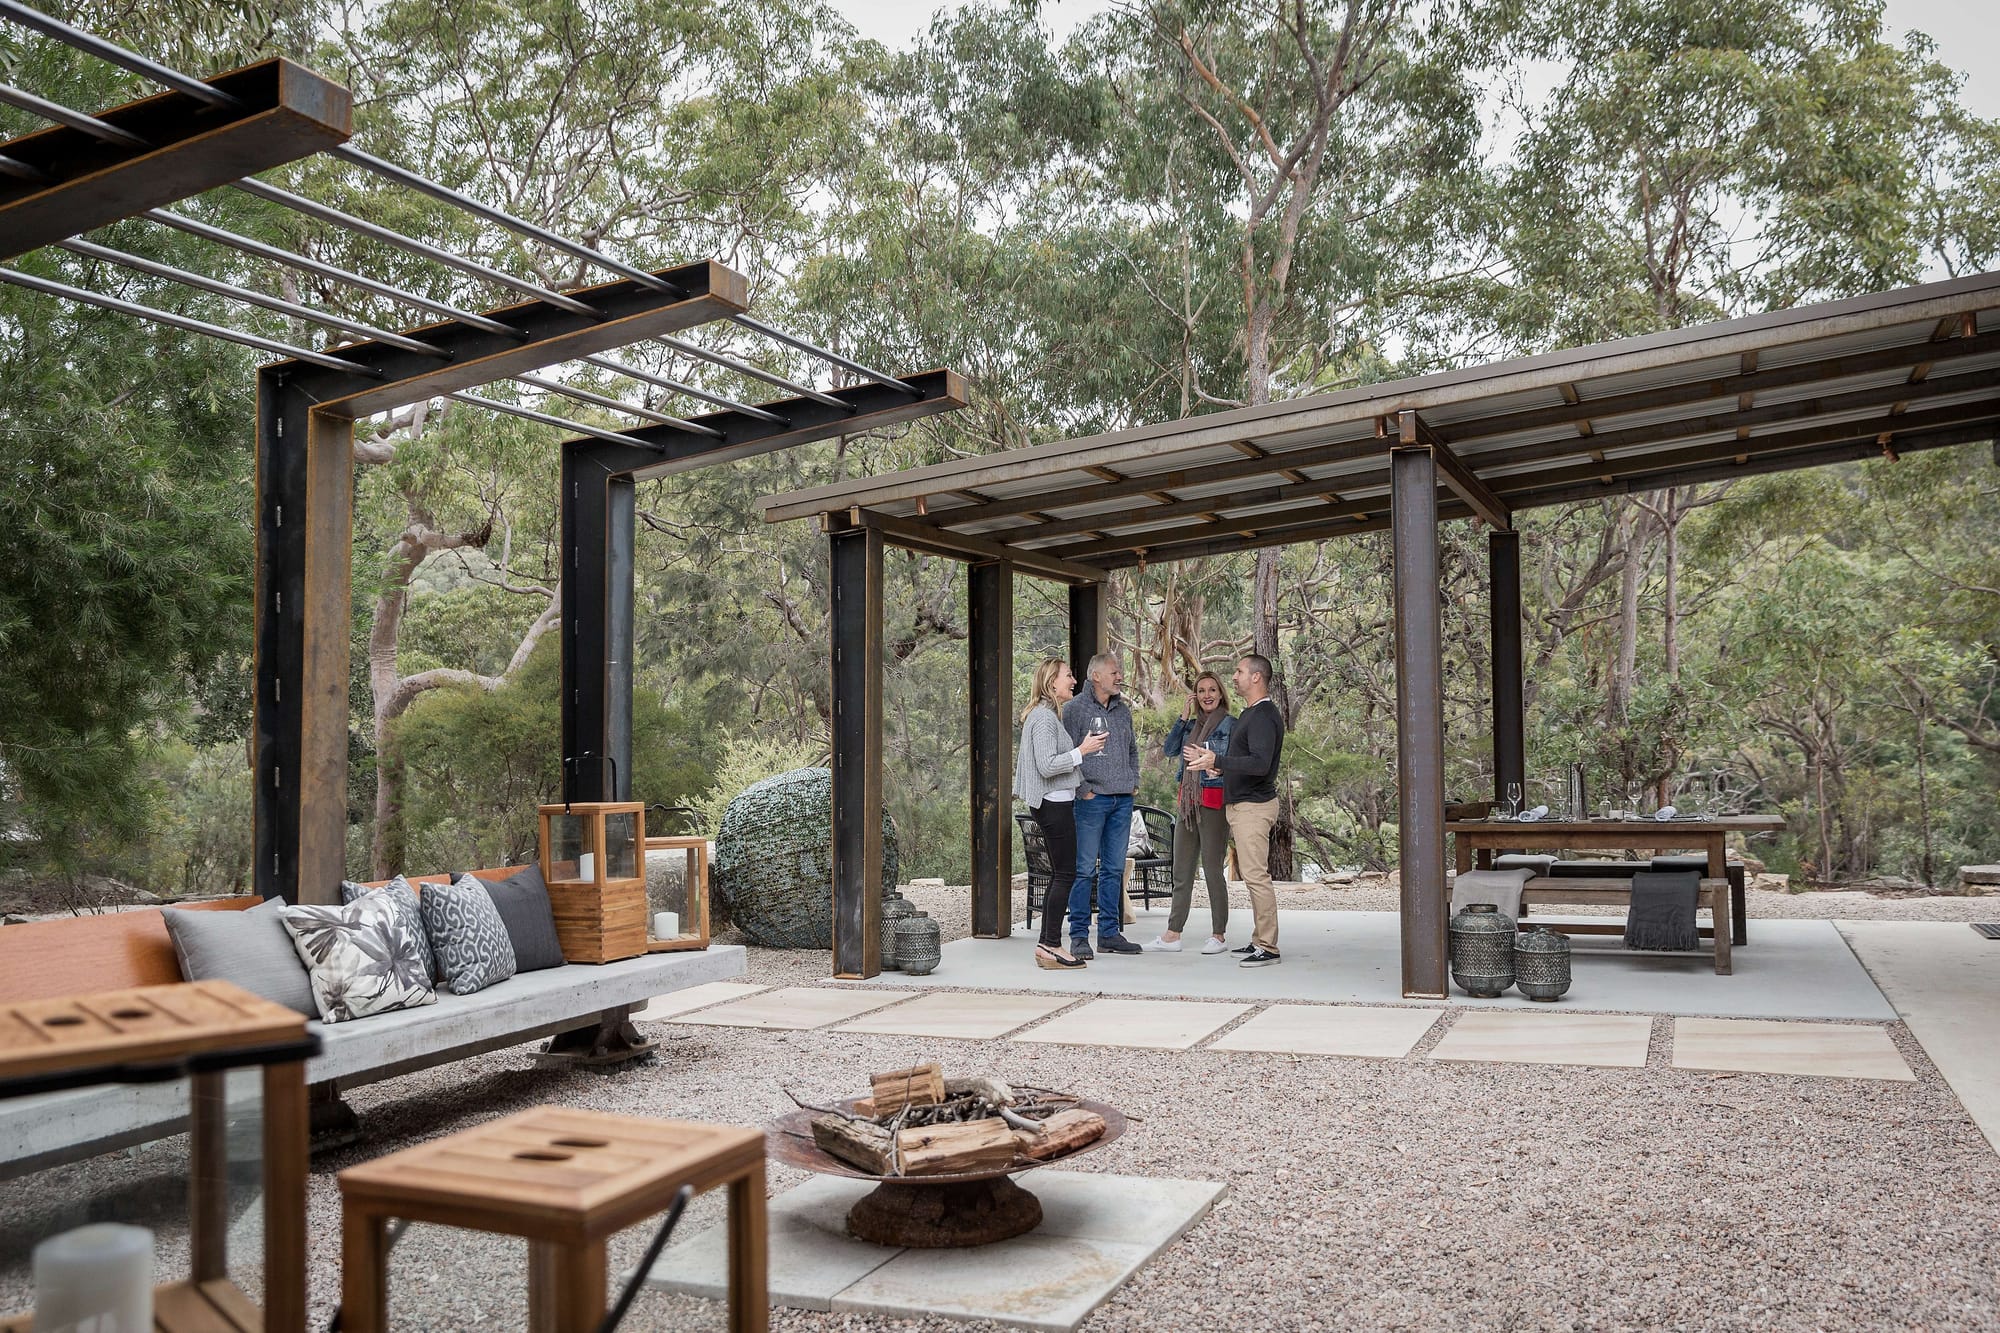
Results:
282 112
1412 430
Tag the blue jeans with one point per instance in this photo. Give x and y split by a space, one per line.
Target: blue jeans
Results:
1102 825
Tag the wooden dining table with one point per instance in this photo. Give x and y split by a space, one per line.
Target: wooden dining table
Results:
1477 841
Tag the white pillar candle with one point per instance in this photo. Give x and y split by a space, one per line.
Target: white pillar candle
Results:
666 925
586 866
95 1279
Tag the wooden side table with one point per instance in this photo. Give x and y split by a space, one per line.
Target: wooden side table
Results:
564 1181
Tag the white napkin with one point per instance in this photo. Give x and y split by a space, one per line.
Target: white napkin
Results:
1530 816
1664 812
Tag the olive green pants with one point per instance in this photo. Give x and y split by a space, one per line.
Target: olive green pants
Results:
1205 836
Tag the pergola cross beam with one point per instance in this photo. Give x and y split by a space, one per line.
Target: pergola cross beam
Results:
1463 482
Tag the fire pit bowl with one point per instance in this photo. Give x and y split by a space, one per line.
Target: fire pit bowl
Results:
935 1212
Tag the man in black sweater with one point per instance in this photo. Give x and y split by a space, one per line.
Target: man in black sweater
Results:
1250 797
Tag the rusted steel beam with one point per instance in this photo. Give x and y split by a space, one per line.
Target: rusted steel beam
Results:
283 112
920 537
1503 592
1419 719
856 629
989 682
1463 481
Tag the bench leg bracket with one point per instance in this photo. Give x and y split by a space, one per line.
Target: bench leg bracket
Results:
611 1042
332 1121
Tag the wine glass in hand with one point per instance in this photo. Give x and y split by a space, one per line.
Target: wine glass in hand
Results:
1092 743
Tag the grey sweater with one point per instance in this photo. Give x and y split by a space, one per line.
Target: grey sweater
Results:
1114 770
1046 760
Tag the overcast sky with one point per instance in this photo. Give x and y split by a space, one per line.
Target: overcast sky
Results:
1967 31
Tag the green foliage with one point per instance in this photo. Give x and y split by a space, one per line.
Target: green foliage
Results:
743 760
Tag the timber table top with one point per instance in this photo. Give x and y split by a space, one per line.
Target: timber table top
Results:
1619 829
142 1025
553 1174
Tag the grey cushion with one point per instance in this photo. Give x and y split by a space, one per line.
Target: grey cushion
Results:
250 948
400 892
523 900
363 957
467 935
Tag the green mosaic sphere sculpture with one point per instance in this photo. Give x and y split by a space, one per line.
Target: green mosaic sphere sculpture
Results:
773 872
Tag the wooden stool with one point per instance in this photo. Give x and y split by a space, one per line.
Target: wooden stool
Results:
564 1181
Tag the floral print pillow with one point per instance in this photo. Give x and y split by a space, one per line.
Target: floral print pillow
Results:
363 958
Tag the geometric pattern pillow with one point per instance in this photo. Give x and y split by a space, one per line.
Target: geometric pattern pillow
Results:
467 936
523 900
398 891
363 958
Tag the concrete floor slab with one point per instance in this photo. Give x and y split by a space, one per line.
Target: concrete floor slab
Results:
1760 1046
1097 1230
1331 1029
1944 981
965 1014
796 1007
1615 1041
1161 1025
696 997
1789 969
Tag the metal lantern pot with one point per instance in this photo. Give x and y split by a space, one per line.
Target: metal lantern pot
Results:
919 944
895 907
1482 950
1541 963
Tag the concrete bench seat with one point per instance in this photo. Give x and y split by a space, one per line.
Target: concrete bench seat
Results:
67 1126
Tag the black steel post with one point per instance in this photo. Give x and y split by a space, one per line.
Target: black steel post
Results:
305 515
1503 556
1086 626
990 671
856 629
586 671
1419 719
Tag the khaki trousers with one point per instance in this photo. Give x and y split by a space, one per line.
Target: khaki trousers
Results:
1250 826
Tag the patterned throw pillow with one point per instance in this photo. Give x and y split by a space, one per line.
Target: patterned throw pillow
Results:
467 935
362 958
399 892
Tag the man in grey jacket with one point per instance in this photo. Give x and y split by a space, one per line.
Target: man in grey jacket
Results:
1103 806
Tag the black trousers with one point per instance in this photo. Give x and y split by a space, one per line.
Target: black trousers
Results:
1058 824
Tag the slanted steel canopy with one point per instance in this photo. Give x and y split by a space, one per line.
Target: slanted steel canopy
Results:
1884 374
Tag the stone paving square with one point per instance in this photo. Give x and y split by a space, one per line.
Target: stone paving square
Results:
1505 1036
966 1014
696 997
1321 1029
1825 1050
1096 1231
797 1007
1164 1025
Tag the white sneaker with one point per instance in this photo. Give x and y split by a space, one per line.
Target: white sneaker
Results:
1162 945
1214 945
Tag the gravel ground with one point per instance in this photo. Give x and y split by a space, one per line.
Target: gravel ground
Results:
1362 1194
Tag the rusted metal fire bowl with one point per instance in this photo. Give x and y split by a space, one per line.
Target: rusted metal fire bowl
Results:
952 1211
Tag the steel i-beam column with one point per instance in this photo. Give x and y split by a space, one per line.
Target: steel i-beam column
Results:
305 513
598 512
856 627
990 671
1086 626
1419 719
1503 563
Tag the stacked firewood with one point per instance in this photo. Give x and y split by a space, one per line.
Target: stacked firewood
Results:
917 1122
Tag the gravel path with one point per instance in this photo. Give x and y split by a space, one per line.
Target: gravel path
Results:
1371 1195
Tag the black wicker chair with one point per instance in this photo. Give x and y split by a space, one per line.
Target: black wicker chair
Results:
1153 876
1036 849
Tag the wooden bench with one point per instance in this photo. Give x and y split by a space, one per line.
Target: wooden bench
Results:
584 1010
1616 891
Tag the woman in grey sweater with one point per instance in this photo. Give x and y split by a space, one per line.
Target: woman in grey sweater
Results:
1047 769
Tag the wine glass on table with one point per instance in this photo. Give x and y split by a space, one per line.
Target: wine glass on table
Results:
1512 810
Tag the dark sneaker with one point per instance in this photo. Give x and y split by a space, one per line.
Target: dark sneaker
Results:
1260 958
1116 944
1245 951
1081 949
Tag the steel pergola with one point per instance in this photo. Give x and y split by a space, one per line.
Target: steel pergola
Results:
139 159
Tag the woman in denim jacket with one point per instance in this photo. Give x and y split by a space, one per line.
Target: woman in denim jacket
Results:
1200 831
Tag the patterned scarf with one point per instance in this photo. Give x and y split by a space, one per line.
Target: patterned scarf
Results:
1190 793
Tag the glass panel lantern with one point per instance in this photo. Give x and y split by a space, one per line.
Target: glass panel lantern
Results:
676 894
201 1081
590 860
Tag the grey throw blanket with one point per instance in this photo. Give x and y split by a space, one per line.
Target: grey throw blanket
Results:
1662 915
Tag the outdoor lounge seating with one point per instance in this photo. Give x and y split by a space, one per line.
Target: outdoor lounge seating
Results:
1152 875
45 959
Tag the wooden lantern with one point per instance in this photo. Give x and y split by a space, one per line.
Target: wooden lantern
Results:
679 921
592 864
